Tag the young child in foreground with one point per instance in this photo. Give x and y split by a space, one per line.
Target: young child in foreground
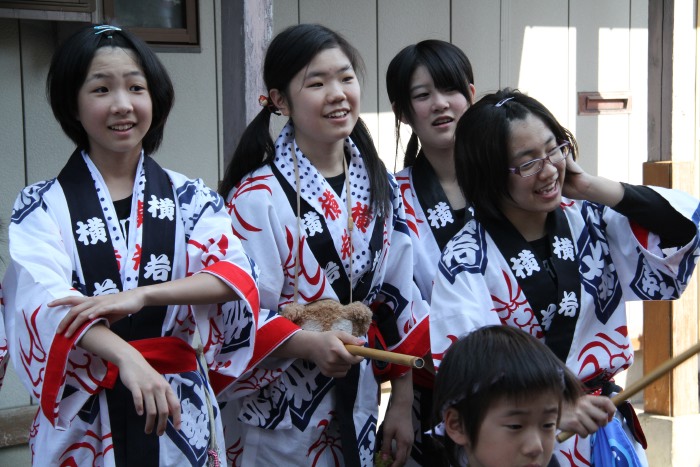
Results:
498 397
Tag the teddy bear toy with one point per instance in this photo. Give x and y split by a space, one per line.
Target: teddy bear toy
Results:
330 315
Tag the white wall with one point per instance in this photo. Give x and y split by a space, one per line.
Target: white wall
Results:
549 49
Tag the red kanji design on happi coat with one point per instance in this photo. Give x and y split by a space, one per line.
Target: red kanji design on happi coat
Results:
34 428
137 257
514 300
329 205
318 279
346 247
91 384
247 185
139 213
90 443
211 255
325 442
576 455
440 356
234 453
588 356
257 379
185 319
118 257
406 194
361 216
35 354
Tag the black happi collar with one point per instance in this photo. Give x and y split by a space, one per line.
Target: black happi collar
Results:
443 220
96 252
555 303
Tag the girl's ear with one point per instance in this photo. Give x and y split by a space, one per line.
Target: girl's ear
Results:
472 91
455 429
280 101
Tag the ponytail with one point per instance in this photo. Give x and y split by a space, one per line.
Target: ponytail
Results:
376 171
254 149
411 151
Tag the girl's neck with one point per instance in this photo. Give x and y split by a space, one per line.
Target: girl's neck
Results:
442 163
531 225
326 158
118 172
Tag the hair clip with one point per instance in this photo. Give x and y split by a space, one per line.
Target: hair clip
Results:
265 101
503 101
105 28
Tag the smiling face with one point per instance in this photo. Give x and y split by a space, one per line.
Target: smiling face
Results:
114 105
531 198
435 112
323 101
516 433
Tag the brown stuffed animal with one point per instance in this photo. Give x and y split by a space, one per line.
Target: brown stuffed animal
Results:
330 315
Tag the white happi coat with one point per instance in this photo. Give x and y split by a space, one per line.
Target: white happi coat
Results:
477 286
3 341
74 428
426 252
290 421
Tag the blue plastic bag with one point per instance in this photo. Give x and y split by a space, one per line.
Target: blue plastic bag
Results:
612 448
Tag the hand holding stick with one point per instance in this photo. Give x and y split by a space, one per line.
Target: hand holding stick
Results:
385 356
645 381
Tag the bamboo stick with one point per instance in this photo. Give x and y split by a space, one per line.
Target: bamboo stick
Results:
645 381
385 356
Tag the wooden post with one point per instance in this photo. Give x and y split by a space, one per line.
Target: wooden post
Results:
671 327
246 30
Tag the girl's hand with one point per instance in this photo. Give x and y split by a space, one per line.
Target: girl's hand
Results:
576 181
151 392
589 414
397 440
327 350
83 309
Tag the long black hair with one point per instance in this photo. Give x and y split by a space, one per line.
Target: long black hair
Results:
288 53
446 63
481 145
69 67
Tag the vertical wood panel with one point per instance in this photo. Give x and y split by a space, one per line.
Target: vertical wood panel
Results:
422 20
284 13
602 51
357 22
13 175
671 327
47 147
534 52
476 30
190 141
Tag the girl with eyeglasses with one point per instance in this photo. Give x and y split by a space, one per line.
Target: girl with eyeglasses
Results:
557 252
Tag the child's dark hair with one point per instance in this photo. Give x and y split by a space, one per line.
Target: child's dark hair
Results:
69 67
446 63
290 52
489 364
482 141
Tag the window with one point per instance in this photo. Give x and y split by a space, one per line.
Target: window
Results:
163 22
82 6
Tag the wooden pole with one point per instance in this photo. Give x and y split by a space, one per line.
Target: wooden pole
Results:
637 386
385 356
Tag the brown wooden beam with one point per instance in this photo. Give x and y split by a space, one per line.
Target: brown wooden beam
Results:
15 424
670 327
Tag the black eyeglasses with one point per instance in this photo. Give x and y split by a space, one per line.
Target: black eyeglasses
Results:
535 166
